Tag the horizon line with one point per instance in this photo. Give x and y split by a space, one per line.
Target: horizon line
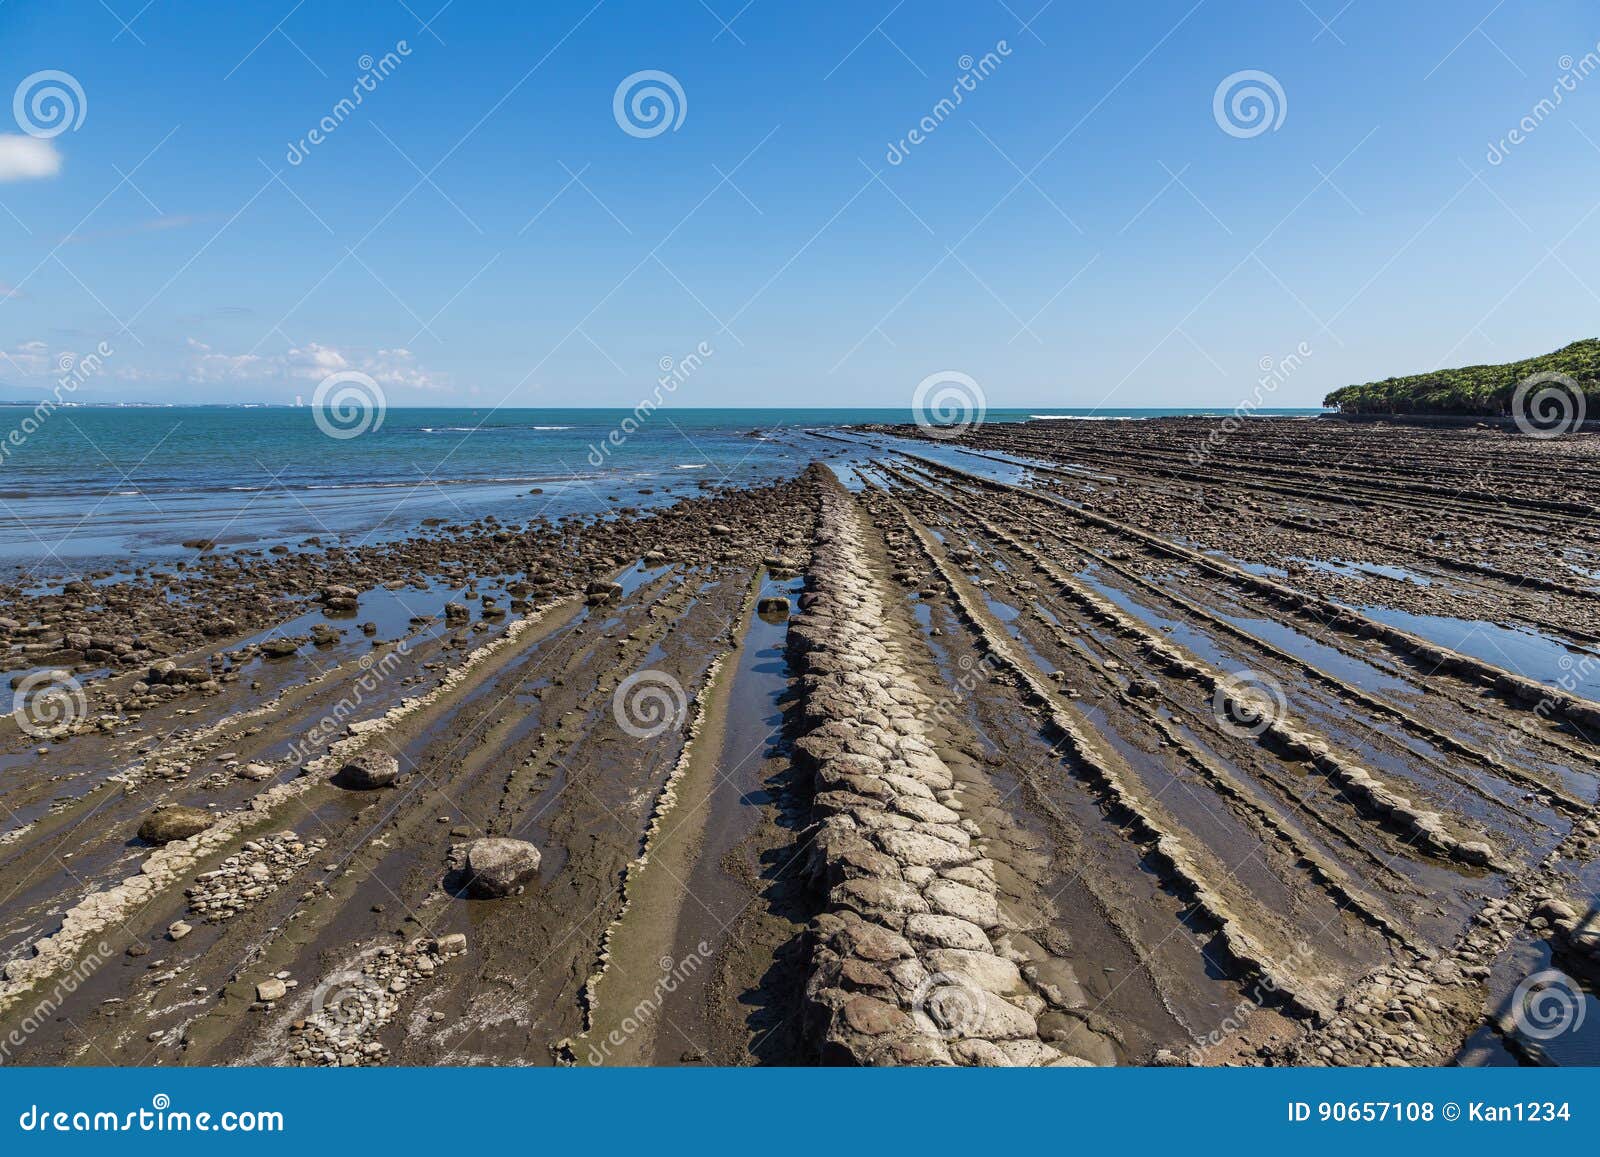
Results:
907 407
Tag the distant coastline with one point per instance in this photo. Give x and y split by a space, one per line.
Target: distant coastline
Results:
1011 413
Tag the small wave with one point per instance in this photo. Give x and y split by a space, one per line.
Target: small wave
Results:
1086 418
482 429
368 484
691 466
411 483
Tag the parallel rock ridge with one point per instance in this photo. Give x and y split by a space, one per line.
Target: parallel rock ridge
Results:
904 966
100 910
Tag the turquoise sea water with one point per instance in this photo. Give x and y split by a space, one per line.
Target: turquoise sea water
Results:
97 483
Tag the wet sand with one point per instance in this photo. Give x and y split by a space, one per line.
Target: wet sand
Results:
1154 742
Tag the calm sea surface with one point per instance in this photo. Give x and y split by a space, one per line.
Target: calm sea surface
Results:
95 485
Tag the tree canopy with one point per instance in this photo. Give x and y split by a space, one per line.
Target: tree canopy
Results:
1480 390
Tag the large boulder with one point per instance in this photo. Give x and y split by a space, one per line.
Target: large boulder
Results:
368 770
497 866
338 597
164 825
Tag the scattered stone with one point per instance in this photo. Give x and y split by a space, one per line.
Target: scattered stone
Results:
498 866
258 870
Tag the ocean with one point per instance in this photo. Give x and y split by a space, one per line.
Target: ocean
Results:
93 486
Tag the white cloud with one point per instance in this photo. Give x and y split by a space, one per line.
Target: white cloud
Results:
206 365
315 362
398 367
310 363
27 158
37 359
28 360
153 225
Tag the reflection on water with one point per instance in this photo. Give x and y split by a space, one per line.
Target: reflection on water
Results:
1548 1013
1521 650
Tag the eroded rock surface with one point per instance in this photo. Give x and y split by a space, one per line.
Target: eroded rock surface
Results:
905 968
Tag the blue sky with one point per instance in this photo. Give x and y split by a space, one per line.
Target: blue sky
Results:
1081 230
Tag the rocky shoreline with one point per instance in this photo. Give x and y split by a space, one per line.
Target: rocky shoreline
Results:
1152 743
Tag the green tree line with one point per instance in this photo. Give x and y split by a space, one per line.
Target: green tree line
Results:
1481 390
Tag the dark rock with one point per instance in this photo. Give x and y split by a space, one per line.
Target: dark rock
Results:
174 823
368 770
